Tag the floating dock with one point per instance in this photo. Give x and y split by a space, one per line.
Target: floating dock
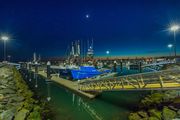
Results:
73 86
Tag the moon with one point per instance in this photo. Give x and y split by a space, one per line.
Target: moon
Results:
87 15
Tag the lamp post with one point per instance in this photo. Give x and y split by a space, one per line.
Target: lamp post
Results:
170 47
174 29
5 38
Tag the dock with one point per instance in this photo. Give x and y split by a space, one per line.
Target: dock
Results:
73 86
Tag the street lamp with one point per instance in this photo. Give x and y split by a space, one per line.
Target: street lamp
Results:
170 46
5 38
174 28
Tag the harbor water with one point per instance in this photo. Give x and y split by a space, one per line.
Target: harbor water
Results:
66 105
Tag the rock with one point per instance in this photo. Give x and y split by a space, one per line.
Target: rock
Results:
1 97
8 114
34 116
169 95
0 113
7 91
172 108
3 86
176 103
3 81
155 113
168 114
178 113
16 99
153 118
3 102
134 116
2 107
143 114
153 99
22 114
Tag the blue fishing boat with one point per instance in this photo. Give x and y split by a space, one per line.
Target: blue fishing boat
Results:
87 72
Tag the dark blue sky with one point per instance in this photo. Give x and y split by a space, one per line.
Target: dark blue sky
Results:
125 27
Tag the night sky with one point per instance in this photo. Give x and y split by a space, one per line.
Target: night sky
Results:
124 27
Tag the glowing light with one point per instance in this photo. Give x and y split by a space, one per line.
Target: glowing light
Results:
174 27
170 45
5 38
107 52
87 16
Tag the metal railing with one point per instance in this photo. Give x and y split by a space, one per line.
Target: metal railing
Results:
150 80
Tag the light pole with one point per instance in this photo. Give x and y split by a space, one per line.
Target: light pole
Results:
174 29
170 46
5 38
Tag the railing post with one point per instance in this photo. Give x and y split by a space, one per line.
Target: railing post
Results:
142 80
122 83
161 81
138 82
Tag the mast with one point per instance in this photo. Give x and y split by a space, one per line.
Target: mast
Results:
34 57
78 48
72 52
90 52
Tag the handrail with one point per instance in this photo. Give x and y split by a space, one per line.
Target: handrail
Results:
133 75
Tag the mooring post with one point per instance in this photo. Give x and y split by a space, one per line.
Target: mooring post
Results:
140 67
25 66
121 66
36 73
48 70
36 67
21 66
115 65
30 66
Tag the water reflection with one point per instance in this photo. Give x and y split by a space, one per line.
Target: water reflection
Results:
48 91
67 104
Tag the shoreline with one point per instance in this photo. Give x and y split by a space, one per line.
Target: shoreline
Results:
16 99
